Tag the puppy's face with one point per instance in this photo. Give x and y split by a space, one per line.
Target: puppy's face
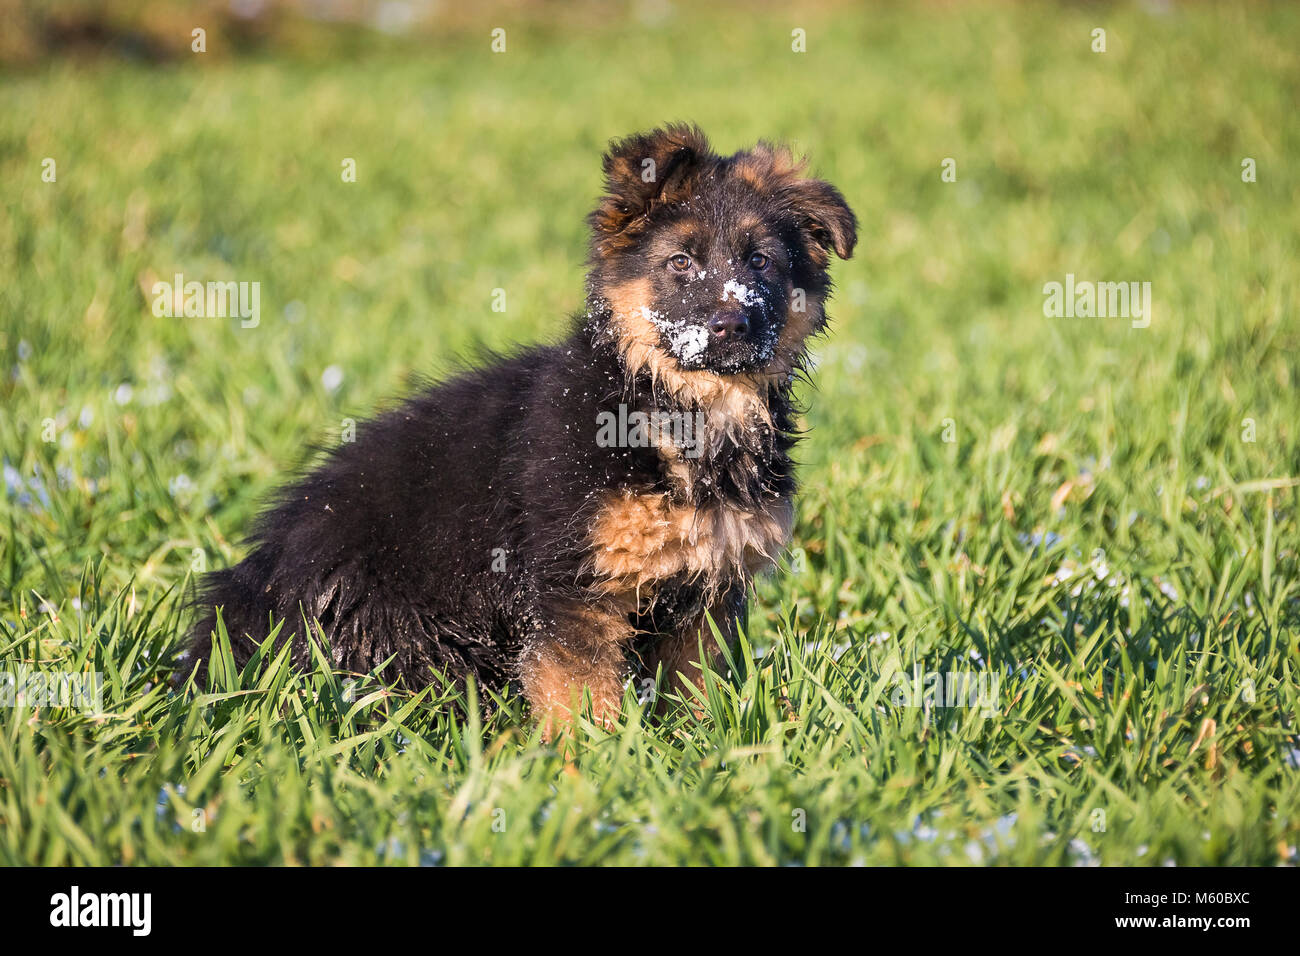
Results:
713 264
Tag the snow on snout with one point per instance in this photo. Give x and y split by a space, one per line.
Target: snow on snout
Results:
740 292
686 340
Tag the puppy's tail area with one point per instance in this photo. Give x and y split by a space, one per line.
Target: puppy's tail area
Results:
242 614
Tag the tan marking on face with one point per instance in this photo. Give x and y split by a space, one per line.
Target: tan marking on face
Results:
729 401
639 539
678 235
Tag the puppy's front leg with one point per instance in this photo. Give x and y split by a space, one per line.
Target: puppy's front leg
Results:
679 654
584 647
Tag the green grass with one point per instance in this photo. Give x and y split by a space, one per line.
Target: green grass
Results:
1098 534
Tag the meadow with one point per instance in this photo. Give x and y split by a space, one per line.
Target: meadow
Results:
1094 519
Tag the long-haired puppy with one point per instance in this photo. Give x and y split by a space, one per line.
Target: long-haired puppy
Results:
574 515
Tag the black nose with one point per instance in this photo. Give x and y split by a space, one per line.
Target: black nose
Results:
727 325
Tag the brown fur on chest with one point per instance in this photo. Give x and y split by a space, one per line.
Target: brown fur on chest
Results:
641 538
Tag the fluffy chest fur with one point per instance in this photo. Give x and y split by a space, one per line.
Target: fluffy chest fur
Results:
642 538
718 512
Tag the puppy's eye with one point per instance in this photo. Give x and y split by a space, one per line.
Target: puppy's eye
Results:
758 262
680 262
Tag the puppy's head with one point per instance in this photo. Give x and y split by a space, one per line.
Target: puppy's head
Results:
712 265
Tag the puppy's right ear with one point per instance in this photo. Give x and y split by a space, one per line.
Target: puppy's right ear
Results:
641 172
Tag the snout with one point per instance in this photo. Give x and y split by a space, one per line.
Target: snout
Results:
728 325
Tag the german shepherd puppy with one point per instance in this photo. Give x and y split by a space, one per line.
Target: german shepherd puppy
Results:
572 515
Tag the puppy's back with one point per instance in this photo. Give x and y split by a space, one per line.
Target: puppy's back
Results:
391 537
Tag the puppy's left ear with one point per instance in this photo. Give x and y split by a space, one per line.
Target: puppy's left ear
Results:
824 215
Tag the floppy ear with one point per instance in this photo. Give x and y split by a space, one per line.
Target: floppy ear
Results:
824 215
643 171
